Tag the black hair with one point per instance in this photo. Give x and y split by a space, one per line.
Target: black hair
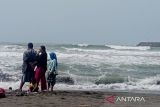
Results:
43 48
30 45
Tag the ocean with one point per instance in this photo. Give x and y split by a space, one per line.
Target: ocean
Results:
90 67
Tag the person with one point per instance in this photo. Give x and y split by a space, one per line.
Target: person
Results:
29 57
52 70
41 63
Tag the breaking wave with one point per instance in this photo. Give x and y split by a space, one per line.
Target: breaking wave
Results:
83 45
142 48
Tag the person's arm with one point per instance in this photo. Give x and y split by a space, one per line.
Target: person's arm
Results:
25 57
56 60
49 66
36 60
52 65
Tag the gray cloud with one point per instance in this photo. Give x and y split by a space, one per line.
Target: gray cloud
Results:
80 21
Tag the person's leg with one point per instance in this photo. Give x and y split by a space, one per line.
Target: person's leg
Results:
22 83
37 76
43 82
53 82
43 79
48 85
52 87
48 81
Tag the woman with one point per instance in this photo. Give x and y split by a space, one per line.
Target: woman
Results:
41 62
52 71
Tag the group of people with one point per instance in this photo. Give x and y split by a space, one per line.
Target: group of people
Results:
35 65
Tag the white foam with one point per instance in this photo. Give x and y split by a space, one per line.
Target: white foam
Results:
11 54
11 48
147 84
6 85
112 57
115 86
83 45
128 47
144 84
114 52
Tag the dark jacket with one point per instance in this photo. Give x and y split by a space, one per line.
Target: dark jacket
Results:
29 56
42 60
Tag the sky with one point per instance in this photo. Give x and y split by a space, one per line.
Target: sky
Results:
80 21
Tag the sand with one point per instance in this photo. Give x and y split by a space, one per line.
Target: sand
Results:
76 99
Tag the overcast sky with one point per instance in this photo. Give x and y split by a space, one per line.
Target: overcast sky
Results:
80 21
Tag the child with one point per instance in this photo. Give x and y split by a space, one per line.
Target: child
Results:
52 71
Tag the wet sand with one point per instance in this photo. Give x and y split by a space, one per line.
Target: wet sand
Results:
76 99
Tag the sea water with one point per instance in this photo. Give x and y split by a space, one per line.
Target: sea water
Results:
90 67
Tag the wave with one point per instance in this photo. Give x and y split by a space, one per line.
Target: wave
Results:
106 47
87 50
129 47
65 79
11 54
115 52
66 83
110 80
90 67
11 48
147 84
83 45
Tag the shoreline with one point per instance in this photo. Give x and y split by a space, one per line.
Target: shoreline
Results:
75 98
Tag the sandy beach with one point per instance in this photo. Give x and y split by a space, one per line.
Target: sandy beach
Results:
76 99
